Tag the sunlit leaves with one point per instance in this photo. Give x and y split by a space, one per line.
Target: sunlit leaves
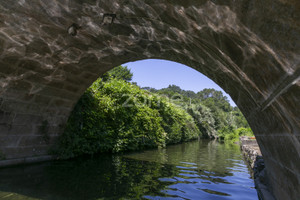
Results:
115 116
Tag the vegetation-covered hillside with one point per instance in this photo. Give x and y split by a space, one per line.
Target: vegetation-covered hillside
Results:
211 110
114 115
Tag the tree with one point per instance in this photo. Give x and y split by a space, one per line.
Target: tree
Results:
204 120
116 115
120 72
210 109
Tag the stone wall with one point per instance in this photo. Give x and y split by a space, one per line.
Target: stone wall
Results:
250 48
255 161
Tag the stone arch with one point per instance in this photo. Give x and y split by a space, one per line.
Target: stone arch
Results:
250 48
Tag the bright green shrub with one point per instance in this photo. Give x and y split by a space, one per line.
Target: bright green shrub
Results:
229 135
117 116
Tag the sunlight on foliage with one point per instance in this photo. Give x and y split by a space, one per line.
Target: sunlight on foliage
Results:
114 115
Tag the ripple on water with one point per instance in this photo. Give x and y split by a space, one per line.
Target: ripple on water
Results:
163 198
215 192
193 171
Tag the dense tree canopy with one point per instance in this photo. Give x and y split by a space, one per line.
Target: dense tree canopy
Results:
120 72
114 115
211 110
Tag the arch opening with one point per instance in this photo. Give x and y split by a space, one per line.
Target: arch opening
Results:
113 110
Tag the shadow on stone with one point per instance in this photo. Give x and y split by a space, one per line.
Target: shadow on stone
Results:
255 161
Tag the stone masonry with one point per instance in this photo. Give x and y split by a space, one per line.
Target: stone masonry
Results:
51 51
255 160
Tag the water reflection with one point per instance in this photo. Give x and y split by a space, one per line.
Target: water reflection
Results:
194 170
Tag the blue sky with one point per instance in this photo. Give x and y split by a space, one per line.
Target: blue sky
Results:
162 73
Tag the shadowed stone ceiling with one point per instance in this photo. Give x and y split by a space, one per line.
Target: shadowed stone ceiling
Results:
250 48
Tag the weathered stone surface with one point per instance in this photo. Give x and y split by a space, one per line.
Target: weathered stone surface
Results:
250 48
254 158
22 152
28 160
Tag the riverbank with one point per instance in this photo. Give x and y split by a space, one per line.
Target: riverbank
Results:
255 160
204 169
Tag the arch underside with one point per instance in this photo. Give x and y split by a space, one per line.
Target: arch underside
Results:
249 48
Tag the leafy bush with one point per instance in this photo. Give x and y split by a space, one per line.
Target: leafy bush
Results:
114 115
210 109
229 135
117 116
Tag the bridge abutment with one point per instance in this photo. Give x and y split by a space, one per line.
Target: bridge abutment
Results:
250 48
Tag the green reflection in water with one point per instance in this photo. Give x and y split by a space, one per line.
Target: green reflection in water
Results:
194 170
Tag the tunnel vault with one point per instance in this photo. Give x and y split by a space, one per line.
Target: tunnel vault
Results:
250 48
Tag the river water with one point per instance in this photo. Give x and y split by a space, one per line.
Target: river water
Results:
193 170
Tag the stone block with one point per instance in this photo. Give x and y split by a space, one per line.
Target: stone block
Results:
89 75
50 129
298 138
58 111
76 80
57 92
283 148
6 117
15 105
56 83
285 183
36 79
4 128
10 140
10 60
25 129
72 88
58 102
24 95
6 70
290 99
269 122
72 69
22 152
33 140
20 161
58 120
35 66
27 119
42 99
38 45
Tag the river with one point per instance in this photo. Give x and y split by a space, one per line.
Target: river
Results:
193 170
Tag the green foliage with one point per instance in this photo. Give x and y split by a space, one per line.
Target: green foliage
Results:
204 120
230 135
239 118
214 99
120 72
209 108
115 116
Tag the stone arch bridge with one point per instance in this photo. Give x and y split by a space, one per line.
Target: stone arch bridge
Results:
51 51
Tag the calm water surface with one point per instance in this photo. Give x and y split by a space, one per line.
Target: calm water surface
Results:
193 170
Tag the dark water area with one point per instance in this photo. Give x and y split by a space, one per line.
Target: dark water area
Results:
193 170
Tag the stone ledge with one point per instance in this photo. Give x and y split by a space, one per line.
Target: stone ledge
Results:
22 161
255 160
